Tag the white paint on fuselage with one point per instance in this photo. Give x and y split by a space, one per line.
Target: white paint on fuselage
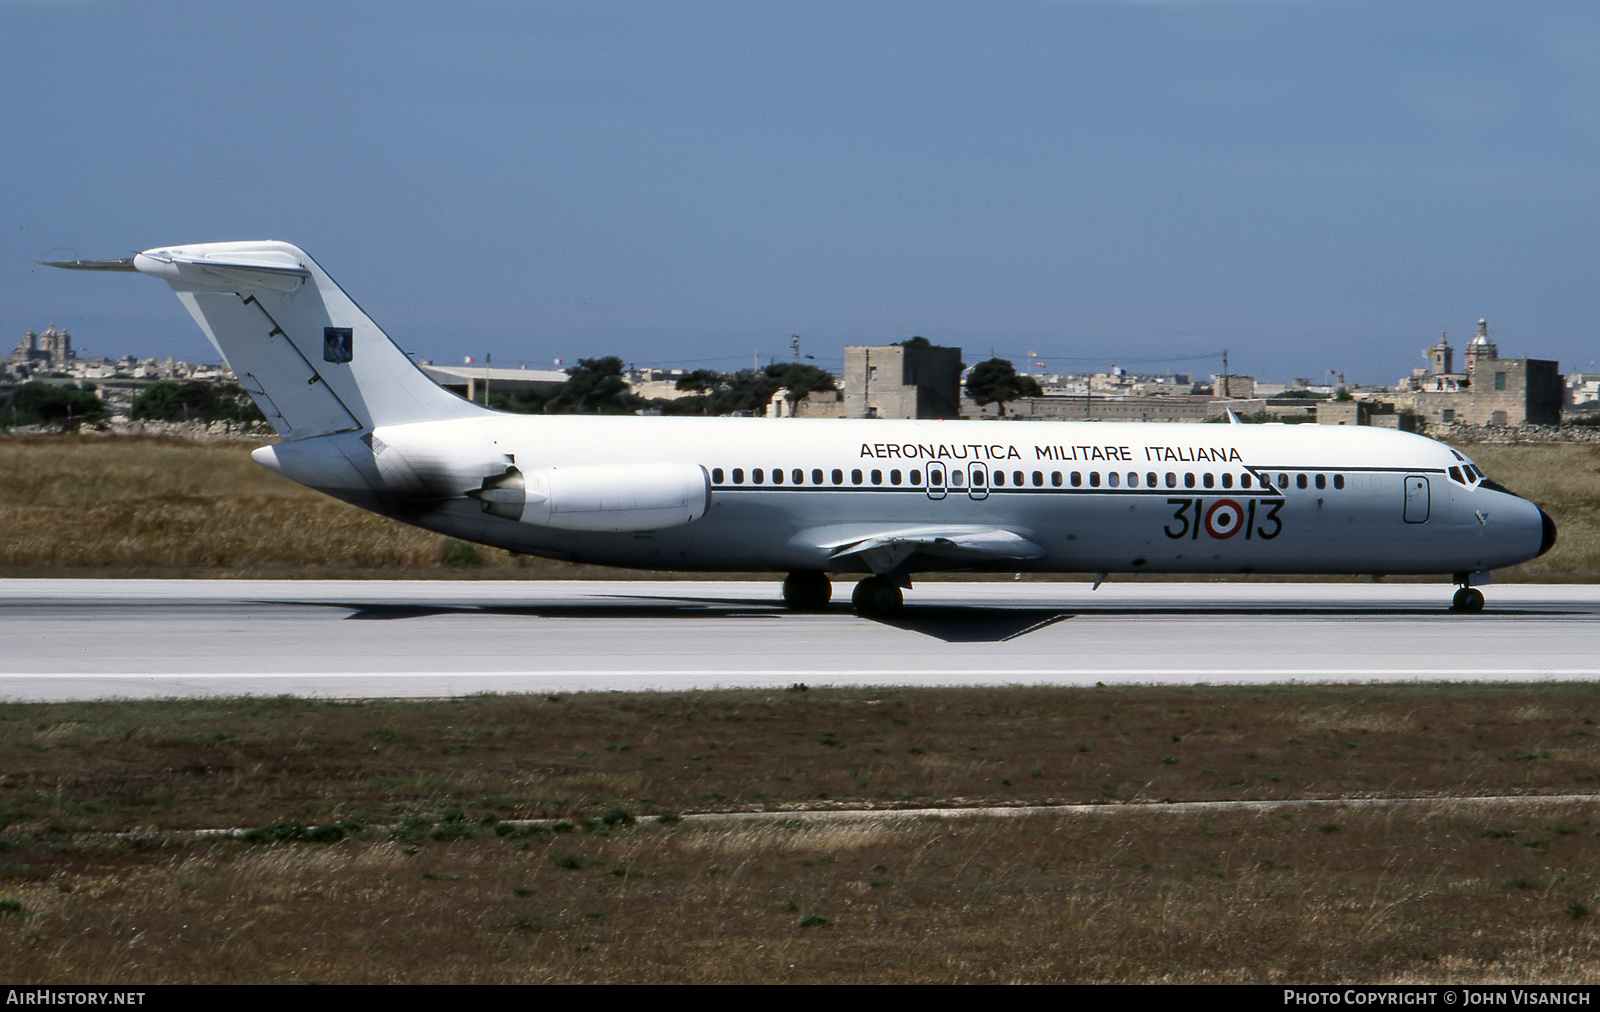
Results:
1361 527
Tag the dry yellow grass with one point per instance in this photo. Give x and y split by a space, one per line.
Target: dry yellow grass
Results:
1409 895
1492 878
161 506
115 766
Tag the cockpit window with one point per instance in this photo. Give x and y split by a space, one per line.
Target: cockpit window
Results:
1468 471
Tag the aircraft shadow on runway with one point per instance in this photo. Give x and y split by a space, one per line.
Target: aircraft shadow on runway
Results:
973 625
952 624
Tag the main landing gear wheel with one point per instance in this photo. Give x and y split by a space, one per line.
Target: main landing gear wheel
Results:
807 591
877 596
1467 599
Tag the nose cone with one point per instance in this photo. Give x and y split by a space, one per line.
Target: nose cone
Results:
1548 539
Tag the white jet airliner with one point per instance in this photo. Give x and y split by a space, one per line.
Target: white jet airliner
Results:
882 499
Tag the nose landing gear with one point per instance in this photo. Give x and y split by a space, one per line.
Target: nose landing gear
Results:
1468 596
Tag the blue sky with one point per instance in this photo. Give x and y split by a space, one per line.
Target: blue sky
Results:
1312 184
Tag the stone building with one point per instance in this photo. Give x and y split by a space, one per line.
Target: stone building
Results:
1080 408
1502 392
1364 412
1490 390
1344 413
37 352
1583 388
1440 374
902 381
816 404
1233 385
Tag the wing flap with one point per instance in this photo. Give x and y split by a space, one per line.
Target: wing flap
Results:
886 551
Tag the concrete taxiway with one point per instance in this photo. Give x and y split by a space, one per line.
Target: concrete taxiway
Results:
69 639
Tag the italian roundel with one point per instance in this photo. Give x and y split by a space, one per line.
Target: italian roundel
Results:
1224 519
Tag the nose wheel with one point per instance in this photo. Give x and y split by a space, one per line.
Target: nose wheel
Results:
1467 599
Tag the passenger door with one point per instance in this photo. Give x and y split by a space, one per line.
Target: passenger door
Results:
1416 499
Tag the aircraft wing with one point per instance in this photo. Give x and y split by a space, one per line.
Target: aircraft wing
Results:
883 552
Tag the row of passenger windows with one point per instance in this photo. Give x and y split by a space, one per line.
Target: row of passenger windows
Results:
1057 479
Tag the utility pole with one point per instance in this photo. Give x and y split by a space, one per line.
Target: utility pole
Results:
1224 372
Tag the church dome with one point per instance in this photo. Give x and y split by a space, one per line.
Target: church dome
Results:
1481 344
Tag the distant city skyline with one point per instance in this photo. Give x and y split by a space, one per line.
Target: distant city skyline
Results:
1200 368
1312 185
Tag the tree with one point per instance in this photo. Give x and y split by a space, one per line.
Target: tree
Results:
194 401
594 386
747 391
174 402
702 381
36 403
797 380
996 381
526 402
703 386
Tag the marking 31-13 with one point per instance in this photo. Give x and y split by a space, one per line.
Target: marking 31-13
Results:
1223 518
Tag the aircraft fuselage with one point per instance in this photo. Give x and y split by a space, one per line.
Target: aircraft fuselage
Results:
785 494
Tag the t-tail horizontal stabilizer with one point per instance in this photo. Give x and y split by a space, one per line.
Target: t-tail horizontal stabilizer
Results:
125 265
305 352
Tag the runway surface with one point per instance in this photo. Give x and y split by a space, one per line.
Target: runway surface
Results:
69 639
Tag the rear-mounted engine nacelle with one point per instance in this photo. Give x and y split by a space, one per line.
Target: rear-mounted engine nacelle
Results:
611 497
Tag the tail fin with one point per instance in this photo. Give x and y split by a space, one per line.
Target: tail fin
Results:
308 356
